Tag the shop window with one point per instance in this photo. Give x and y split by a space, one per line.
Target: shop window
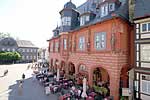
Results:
82 68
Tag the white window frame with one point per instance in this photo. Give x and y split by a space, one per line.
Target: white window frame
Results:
56 46
113 7
65 44
100 40
146 23
82 43
104 10
146 85
145 52
84 19
66 21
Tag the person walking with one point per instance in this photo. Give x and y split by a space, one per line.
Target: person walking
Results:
5 72
23 76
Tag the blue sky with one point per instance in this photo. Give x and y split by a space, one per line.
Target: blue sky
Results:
31 20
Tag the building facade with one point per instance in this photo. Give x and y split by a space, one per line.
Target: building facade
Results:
27 50
95 40
142 51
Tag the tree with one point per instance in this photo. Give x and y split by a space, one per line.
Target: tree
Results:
3 35
9 57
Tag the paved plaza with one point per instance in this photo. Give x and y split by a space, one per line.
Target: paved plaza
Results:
9 86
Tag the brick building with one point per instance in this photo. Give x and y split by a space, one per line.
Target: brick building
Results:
95 40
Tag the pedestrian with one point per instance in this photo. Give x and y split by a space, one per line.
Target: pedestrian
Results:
28 67
23 76
5 72
20 87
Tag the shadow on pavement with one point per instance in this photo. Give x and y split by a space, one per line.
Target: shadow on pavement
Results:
31 90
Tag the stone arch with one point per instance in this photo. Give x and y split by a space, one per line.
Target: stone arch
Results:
82 71
100 74
62 65
124 77
71 68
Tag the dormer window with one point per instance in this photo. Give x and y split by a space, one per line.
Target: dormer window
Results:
111 7
66 21
104 10
84 19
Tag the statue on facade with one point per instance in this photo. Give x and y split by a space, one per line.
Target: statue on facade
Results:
112 42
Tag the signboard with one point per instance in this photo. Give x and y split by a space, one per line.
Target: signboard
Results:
126 92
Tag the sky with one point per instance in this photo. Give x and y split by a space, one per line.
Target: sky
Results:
31 20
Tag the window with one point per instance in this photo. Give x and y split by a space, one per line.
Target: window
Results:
145 52
83 68
82 43
30 57
66 21
84 19
145 27
51 47
8 49
56 46
27 57
23 50
34 50
145 82
104 10
31 50
111 7
34 57
23 57
100 40
13 49
27 50
3 49
65 44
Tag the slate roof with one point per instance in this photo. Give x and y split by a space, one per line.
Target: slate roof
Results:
142 8
121 11
25 43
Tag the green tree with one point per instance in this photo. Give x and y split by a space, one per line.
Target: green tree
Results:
9 57
2 35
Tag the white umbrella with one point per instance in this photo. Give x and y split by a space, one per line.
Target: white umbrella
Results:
58 75
84 88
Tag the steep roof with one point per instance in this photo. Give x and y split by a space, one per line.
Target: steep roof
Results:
142 8
121 11
25 43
